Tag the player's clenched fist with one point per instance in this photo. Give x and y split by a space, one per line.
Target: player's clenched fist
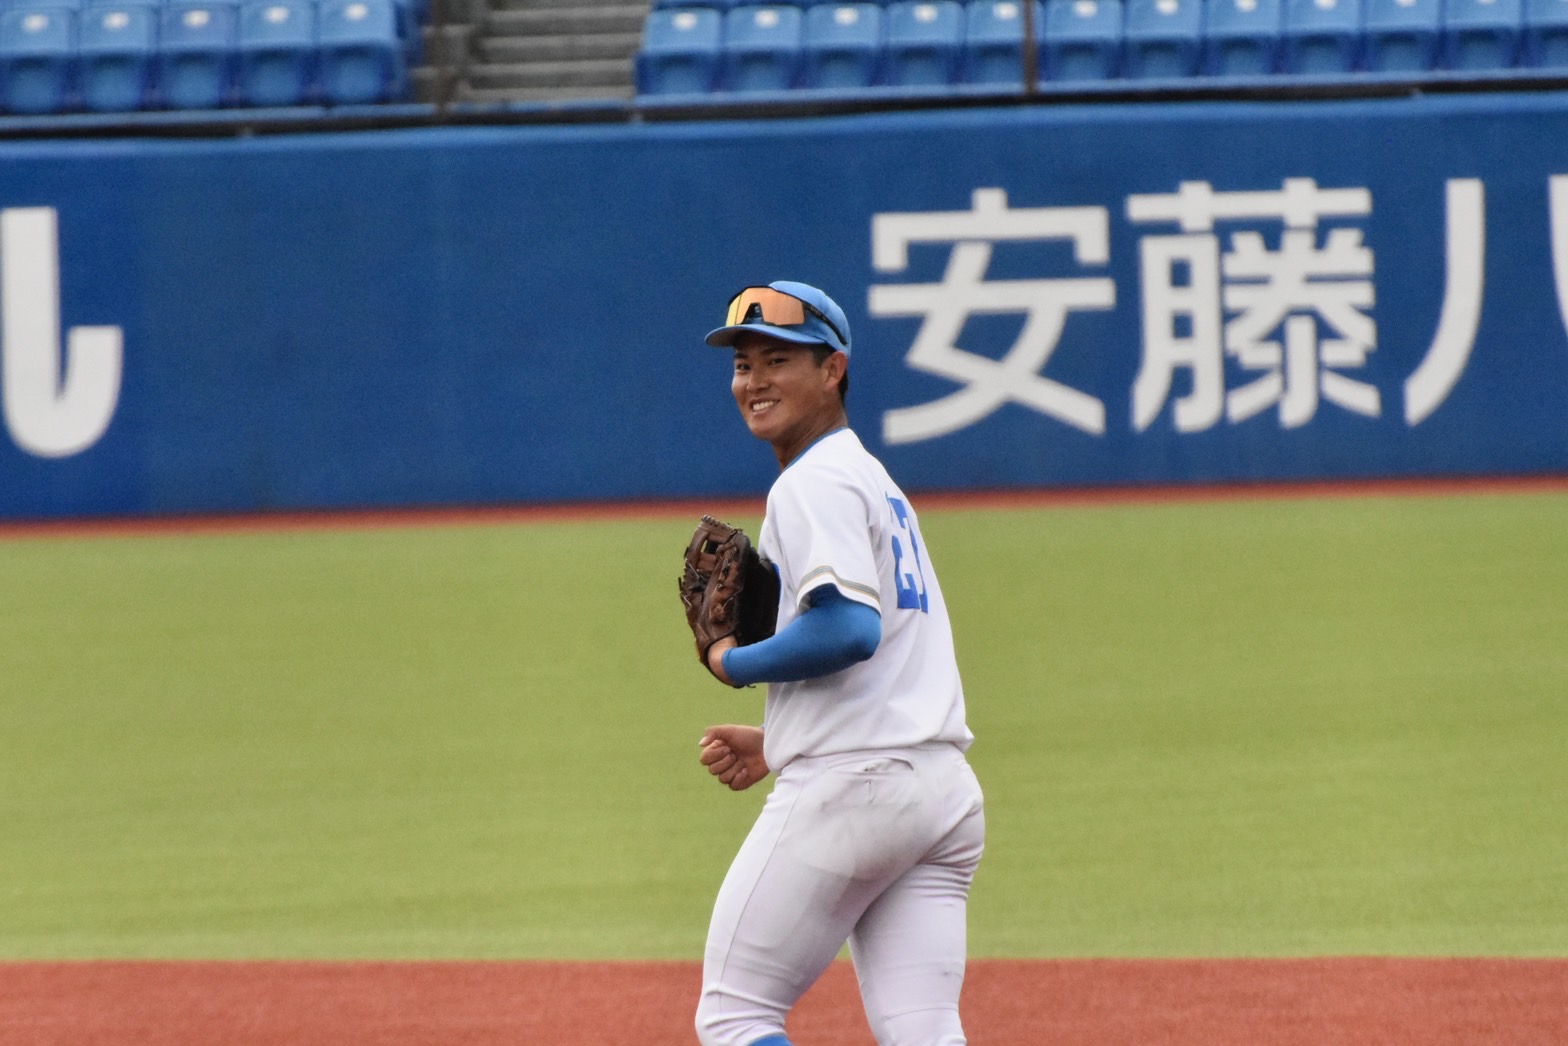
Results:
733 754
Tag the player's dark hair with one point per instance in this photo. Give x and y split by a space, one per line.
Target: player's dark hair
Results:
821 353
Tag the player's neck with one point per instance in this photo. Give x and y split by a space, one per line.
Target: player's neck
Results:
787 450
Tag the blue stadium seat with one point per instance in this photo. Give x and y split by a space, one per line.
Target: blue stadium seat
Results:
1241 37
761 50
196 54
1481 34
119 50
1546 33
680 51
1321 36
408 28
1163 38
994 40
37 58
925 40
1401 35
717 5
1082 40
841 45
278 52
363 56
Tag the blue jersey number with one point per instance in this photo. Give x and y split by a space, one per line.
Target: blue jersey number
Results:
908 577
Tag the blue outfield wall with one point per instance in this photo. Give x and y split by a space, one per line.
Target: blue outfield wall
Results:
1064 295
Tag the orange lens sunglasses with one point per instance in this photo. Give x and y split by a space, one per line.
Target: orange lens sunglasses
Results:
775 307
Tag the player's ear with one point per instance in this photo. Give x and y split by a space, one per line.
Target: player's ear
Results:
834 367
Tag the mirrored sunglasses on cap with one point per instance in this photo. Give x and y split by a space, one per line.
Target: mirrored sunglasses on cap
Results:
776 308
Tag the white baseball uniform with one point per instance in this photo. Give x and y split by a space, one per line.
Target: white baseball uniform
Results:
875 824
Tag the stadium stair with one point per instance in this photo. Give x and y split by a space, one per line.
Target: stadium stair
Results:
536 51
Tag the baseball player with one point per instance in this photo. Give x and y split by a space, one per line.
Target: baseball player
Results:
875 824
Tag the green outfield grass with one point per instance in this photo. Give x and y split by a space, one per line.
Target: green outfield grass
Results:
1296 727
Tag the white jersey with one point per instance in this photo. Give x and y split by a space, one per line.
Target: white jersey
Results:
836 517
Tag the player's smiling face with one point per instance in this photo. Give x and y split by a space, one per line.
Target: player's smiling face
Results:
785 395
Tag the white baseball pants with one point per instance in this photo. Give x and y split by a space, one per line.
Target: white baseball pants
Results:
878 848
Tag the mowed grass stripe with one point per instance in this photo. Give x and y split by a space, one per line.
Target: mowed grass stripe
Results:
438 742
1255 728
1326 727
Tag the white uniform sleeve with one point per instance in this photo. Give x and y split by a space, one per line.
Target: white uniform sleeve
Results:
823 526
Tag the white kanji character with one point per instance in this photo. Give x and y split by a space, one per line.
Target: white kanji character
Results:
1169 307
1294 290
1267 290
965 291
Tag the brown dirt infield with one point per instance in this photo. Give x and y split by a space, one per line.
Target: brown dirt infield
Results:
1320 1002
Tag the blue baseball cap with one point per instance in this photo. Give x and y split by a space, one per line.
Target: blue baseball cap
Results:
788 311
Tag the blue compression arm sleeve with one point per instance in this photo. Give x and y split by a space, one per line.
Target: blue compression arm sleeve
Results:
832 633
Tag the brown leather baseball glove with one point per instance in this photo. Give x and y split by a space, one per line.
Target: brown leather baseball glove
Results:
726 588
